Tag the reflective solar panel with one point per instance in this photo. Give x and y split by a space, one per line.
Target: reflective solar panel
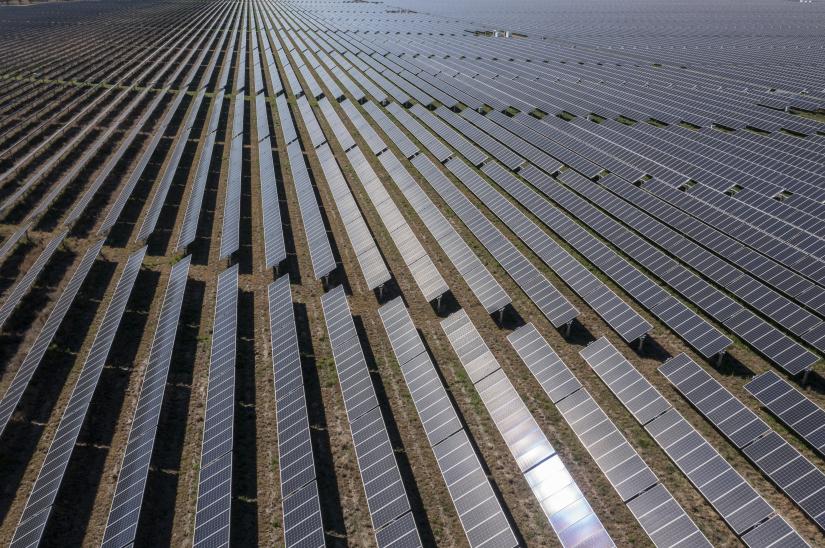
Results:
121 526
564 505
212 518
38 506
666 523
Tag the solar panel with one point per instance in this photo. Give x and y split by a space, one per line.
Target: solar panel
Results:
121 526
664 521
475 156
481 282
316 136
384 488
634 391
628 323
402 533
794 474
342 134
17 293
791 407
41 344
12 240
153 213
731 496
302 518
38 506
285 120
396 136
434 407
547 298
189 226
212 517
781 462
774 532
564 505
736 422
546 366
274 246
366 251
424 271
323 261
418 131
232 201
353 375
374 142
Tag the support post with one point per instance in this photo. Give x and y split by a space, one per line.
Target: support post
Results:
720 358
380 292
567 328
500 316
642 342
438 303
805 377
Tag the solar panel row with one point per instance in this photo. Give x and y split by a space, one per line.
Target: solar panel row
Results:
150 220
41 344
384 488
424 271
547 298
302 525
662 518
479 509
781 462
628 323
230 233
563 503
482 283
702 336
214 504
122 523
320 252
742 508
16 294
790 406
38 507
366 251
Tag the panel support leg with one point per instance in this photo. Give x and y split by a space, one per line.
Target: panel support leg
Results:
501 316
805 376
380 292
720 358
642 342
438 303
567 328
